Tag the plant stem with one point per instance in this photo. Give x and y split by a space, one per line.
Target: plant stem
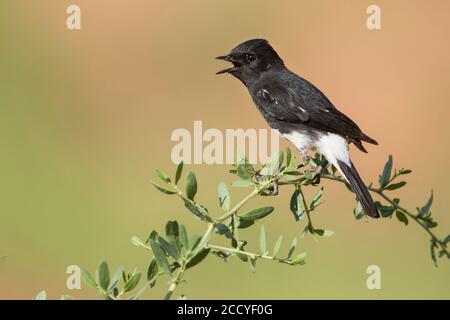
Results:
251 195
203 243
233 250
310 226
380 192
211 226
174 284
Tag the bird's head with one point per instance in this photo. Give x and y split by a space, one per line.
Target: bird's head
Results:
251 59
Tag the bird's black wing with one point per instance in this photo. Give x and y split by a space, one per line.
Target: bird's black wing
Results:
302 103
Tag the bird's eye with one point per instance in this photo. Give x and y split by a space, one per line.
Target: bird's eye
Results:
250 57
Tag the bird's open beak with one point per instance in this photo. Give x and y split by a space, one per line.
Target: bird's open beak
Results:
228 58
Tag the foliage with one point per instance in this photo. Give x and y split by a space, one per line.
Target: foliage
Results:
176 251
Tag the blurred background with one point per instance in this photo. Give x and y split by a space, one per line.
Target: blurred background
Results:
86 117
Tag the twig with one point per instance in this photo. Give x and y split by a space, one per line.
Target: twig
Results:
380 192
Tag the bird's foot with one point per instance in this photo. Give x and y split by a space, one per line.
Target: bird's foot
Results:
271 190
305 161
317 172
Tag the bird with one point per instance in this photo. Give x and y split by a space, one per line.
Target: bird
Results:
300 112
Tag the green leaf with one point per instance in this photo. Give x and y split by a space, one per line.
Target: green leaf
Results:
223 229
198 210
358 211
385 211
224 196
41 295
245 223
293 173
262 240
245 170
160 256
88 279
323 233
277 245
428 222
242 257
289 159
116 278
317 199
178 172
199 257
170 249
103 275
276 162
394 186
433 252
425 210
137 241
164 177
256 214
172 234
299 260
310 175
193 242
328 233
386 175
404 171
184 240
401 217
191 185
292 248
162 189
132 282
447 239
253 264
297 205
203 242
152 272
242 183
304 232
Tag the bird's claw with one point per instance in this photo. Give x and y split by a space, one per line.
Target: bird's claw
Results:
271 190
305 161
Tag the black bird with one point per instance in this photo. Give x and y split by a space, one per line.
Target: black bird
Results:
299 111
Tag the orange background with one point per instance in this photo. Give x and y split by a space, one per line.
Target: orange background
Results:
87 115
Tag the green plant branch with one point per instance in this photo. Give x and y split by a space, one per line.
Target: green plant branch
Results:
246 199
381 193
176 253
310 226
246 253
189 256
174 284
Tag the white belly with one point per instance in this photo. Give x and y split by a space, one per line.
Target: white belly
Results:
332 146
301 141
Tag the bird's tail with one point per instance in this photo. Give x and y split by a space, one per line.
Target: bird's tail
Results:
359 188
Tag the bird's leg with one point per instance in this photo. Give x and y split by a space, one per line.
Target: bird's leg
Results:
305 158
320 168
273 189
258 176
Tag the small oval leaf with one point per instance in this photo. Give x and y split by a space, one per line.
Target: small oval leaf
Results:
191 185
178 172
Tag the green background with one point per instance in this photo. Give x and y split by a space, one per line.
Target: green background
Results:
86 116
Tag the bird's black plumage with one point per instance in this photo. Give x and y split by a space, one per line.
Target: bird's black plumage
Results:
298 110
